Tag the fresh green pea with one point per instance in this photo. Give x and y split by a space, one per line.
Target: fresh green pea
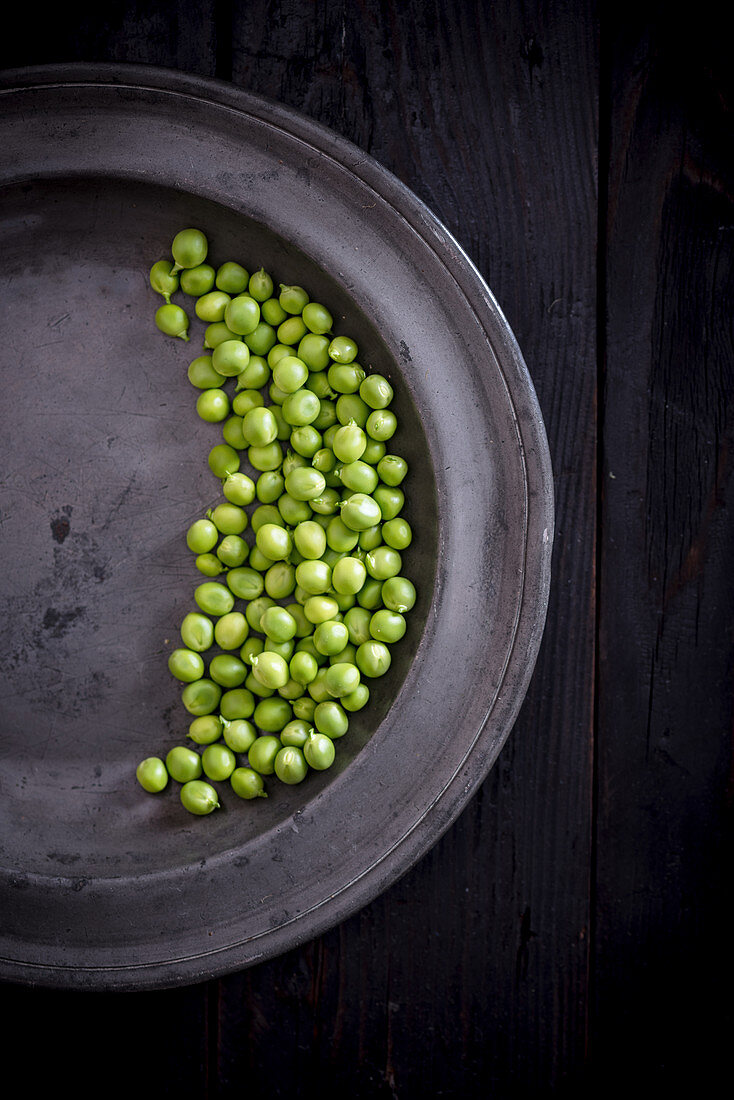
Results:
189 248
205 730
373 658
201 697
218 762
238 488
197 280
244 400
370 594
290 373
342 678
214 598
210 307
197 632
255 374
360 511
356 699
266 457
231 277
383 562
227 670
319 751
272 714
391 499
270 669
348 576
387 626
273 312
202 536
256 609
239 734
210 565
397 533
237 702
231 630
186 665
261 756
292 299
295 733
314 577
232 433
398 594
280 580
374 451
213 405
290 765
317 318
183 764
152 774
245 582
303 668
242 315
199 797
230 358
260 286
343 349
349 442
202 375
228 518
381 424
172 320
278 624
331 718
274 541
261 339
304 708
223 460
360 477
313 349
330 637
247 783
163 280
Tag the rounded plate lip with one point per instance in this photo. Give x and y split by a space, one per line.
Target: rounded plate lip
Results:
436 817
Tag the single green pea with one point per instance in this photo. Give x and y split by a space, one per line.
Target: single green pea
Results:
201 697
290 765
306 440
370 594
309 538
317 318
189 248
301 407
266 457
231 630
238 488
262 338
360 511
247 783
186 665
259 426
356 699
261 285
202 375
374 451
327 416
291 331
242 314
274 541
343 349
371 537
218 762
183 764
319 751
245 582
349 442
313 349
397 533
172 320
272 311
223 460
239 734
214 598
216 333
197 632
327 504
260 561
205 730
232 278
331 718
230 358
383 562
292 299
213 405
209 565
373 658
360 477
330 637
199 797
245 399
303 668
236 703
345 377
280 580
305 483
261 755
376 391
228 518
272 713
202 536
381 424
314 577
387 626
227 670
290 373
304 708
162 279
278 624
398 594
339 537
348 576
152 774
351 407
255 374
342 678
296 733
232 433
197 281
270 669
391 499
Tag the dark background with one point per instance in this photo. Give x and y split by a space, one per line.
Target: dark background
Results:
570 934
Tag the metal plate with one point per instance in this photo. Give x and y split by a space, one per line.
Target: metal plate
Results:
104 467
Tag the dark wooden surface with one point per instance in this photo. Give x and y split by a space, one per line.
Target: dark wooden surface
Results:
570 935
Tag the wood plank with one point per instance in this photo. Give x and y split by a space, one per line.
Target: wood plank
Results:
665 697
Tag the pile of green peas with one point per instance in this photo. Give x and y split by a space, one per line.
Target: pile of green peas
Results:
301 592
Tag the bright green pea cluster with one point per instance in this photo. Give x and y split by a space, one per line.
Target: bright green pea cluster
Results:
302 591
